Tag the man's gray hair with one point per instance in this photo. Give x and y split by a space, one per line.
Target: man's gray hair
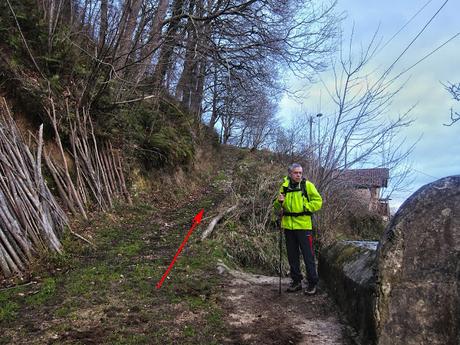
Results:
293 166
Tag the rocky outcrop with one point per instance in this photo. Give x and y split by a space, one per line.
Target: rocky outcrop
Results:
406 292
419 269
348 270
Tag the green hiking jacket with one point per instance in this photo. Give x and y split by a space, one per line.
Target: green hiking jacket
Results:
296 202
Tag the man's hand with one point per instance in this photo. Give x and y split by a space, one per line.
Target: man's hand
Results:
281 198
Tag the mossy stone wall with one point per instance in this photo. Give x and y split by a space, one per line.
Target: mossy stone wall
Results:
347 268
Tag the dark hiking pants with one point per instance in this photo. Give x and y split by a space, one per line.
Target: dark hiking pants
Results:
302 239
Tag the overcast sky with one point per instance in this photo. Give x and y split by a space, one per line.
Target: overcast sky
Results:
437 154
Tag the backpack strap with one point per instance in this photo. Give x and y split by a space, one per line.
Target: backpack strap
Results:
286 190
303 187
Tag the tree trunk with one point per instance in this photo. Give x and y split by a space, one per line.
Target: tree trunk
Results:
191 85
184 87
197 93
154 39
227 133
131 12
214 115
104 24
167 48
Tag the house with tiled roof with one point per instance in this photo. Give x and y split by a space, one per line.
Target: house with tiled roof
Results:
368 184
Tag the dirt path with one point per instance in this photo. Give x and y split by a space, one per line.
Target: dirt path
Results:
257 314
107 294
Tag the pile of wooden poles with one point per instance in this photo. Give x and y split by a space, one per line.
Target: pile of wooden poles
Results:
89 175
30 218
97 169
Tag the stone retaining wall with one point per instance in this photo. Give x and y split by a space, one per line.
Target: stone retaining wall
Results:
348 270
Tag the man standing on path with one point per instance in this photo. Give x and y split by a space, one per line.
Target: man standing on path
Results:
297 200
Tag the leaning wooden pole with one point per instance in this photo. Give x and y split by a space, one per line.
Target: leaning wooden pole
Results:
31 220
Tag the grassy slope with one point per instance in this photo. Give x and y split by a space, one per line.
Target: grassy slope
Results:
107 295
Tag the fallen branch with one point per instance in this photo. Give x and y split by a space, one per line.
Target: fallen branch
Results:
216 220
82 238
136 99
18 286
249 277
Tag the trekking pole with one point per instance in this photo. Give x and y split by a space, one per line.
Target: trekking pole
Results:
281 249
281 244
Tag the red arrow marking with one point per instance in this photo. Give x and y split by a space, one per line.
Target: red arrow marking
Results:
196 221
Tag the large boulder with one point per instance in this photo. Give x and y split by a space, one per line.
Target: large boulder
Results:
419 269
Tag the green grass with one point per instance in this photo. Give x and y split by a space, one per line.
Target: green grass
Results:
63 311
47 292
114 284
130 339
12 300
5 340
8 310
221 176
189 331
93 278
144 271
129 249
197 302
215 319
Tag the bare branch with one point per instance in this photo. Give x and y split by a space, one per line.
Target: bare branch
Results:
454 90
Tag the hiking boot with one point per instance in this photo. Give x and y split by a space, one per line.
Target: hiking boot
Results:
310 290
294 286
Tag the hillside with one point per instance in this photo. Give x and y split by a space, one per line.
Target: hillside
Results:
106 294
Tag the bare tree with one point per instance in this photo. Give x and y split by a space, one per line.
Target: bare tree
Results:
153 41
164 60
359 129
104 26
191 64
284 145
128 24
257 125
454 90
195 49
248 52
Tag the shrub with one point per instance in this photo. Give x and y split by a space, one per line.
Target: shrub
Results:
366 226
